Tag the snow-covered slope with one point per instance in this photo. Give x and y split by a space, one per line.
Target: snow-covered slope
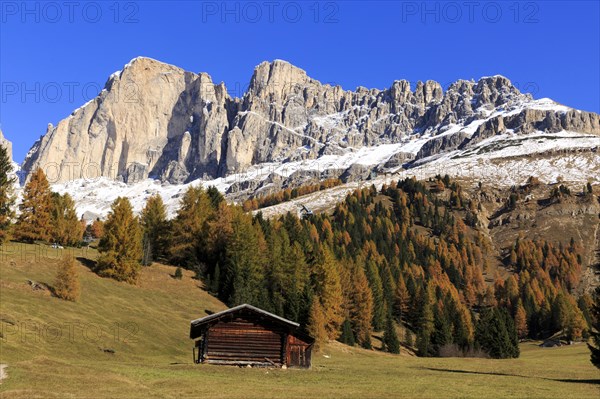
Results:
94 196
573 168
503 160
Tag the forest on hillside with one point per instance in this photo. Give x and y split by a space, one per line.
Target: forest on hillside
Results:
411 253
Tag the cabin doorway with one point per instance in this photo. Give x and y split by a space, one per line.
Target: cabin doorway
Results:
298 356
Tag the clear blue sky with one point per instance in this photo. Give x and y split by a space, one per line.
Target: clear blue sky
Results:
55 56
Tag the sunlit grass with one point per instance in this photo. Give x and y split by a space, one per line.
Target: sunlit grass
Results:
147 327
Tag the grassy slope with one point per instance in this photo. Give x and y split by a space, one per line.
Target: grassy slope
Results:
155 360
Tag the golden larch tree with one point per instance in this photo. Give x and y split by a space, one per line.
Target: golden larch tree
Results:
521 320
316 324
330 293
361 308
66 227
66 285
35 220
121 245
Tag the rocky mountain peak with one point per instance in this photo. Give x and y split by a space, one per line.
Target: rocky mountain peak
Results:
495 90
146 63
157 120
275 80
430 91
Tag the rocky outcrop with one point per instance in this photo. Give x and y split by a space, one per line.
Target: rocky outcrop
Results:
530 120
6 144
157 120
442 143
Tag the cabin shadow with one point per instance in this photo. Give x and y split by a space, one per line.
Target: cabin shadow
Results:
569 380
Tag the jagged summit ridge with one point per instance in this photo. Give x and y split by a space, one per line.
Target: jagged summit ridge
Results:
157 120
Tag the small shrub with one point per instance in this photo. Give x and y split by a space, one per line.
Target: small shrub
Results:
178 273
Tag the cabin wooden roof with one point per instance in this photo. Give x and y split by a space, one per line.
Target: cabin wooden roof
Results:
196 325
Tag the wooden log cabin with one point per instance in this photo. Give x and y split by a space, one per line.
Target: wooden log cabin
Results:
246 335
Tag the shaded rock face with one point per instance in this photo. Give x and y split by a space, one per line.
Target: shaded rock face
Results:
441 144
156 120
6 144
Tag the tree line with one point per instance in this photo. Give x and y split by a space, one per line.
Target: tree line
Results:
43 215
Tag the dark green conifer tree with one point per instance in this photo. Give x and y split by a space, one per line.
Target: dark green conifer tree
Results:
6 195
496 334
379 309
155 229
390 337
347 336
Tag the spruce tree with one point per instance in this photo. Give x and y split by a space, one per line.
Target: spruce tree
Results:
147 250
347 336
442 332
276 279
155 228
121 245
6 194
426 324
390 337
220 230
496 334
216 198
245 261
297 282
35 220
511 331
594 345
379 309
66 285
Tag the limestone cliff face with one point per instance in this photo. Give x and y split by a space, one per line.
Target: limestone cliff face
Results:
157 120
152 119
6 144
